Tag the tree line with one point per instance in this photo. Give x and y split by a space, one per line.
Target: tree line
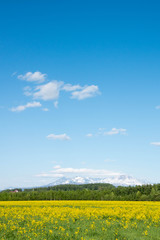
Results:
95 191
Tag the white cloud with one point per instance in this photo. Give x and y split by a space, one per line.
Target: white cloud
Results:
86 171
13 74
78 171
56 104
113 131
58 137
86 92
49 91
28 105
157 107
49 175
157 144
27 91
45 109
57 166
33 77
70 87
89 135
116 131
101 131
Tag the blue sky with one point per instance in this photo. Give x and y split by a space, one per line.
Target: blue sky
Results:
73 68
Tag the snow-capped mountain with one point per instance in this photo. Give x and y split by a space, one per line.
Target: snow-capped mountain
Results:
119 180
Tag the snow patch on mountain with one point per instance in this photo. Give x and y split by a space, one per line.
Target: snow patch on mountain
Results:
120 180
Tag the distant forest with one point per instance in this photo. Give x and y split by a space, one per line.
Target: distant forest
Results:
97 191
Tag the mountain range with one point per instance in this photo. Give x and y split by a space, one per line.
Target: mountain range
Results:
119 180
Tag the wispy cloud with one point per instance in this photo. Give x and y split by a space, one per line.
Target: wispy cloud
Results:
113 131
70 87
33 77
109 160
116 131
157 144
24 107
87 171
56 104
45 109
49 175
27 91
13 74
157 107
79 172
89 135
57 166
63 137
86 92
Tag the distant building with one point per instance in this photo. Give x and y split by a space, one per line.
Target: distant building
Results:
15 191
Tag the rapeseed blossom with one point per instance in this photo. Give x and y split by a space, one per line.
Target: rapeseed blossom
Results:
79 220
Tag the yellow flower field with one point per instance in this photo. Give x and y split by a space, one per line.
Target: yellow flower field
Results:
81 220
